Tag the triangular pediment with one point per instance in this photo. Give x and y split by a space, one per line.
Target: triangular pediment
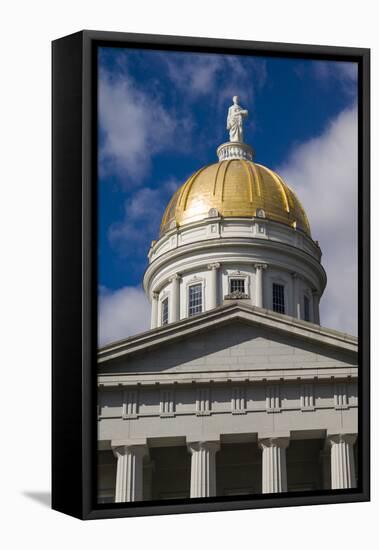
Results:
234 340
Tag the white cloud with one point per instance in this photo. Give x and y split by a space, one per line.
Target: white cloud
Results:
243 77
220 76
195 73
335 69
122 313
142 216
324 173
343 73
134 126
126 311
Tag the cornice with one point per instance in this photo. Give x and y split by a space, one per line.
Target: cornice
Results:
224 314
210 245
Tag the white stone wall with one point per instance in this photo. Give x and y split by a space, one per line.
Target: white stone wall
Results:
294 290
218 414
233 245
238 466
216 228
237 382
255 398
248 379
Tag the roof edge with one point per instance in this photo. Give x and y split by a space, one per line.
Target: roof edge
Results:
235 310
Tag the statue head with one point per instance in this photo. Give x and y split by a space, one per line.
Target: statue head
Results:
235 99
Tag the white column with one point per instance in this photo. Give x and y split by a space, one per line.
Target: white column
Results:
212 294
342 461
154 310
296 296
316 306
274 468
257 300
175 298
129 475
203 468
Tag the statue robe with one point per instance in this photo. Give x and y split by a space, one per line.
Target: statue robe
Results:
234 123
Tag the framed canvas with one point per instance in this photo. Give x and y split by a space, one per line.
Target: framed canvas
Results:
210 275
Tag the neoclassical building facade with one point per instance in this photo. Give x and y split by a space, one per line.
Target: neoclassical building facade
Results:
236 388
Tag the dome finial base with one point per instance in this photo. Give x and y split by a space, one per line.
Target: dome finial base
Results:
235 150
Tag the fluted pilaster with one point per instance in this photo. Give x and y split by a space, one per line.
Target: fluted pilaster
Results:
129 475
203 468
175 298
274 467
258 298
154 310
296 296
342 461
316 307
212 296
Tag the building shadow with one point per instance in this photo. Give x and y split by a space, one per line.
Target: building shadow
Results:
41 497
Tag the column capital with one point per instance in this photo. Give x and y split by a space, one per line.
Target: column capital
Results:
215 265
203 467
155 295
342 460
129 473
333 439
194 446
175 277
121 447
274 468
270 441
260 266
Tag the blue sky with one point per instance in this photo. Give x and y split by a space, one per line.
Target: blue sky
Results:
162 115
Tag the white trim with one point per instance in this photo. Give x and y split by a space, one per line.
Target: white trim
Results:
167 404
130 403
196 280
305 294
279 282
307 397
273 398
275 279
276 234
240 311
161 323
162 296
195 257
240 275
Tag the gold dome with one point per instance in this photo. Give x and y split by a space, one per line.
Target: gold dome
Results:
235 188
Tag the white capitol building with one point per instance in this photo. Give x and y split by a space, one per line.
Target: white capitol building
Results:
236 389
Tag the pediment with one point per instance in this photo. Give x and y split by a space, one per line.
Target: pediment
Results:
237 346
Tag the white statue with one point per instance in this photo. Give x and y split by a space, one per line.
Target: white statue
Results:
235 119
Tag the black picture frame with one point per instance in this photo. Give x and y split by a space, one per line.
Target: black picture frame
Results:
74 272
